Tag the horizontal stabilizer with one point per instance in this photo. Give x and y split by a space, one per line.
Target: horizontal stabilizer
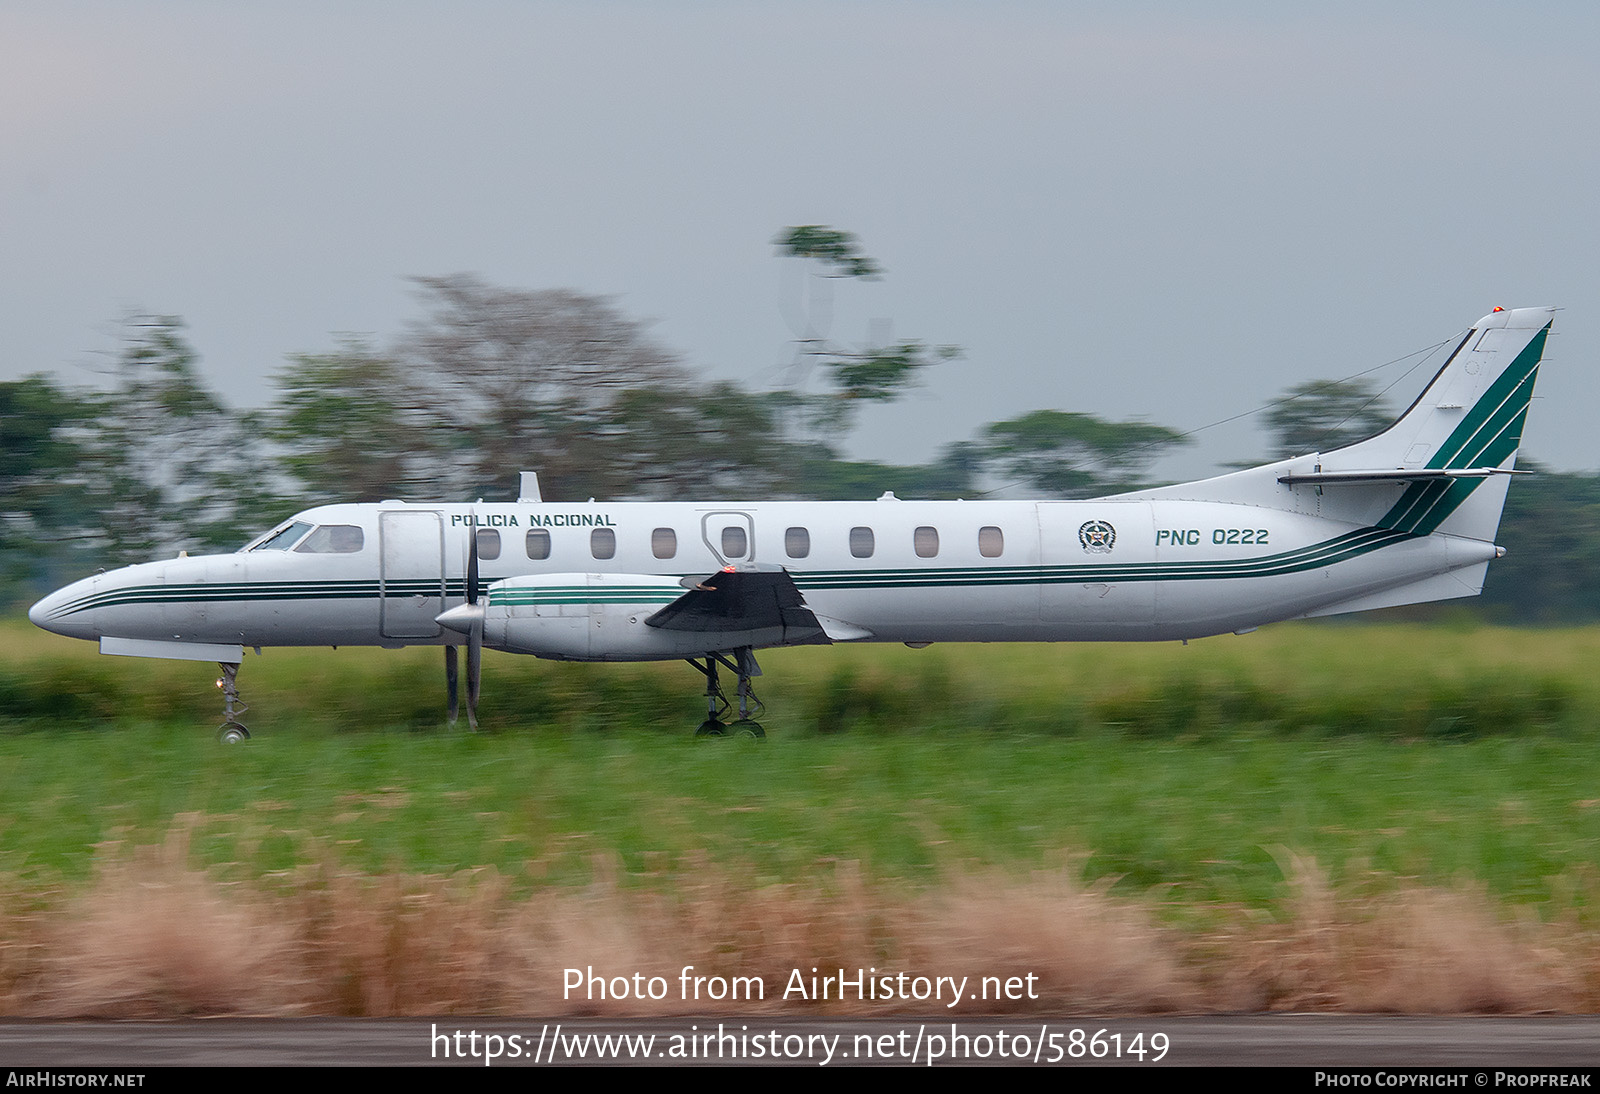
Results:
1398 474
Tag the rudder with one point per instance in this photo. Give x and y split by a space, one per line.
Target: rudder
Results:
1465 428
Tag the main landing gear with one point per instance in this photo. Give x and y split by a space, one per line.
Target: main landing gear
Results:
232 730
717 705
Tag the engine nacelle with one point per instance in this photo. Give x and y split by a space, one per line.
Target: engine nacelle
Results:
598 617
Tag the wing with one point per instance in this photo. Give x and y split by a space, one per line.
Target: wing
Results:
750 599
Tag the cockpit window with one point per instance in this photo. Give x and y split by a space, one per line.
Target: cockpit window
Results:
281 541
333 539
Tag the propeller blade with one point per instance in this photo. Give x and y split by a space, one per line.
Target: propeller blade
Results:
475 632
466 618
452 681
474 671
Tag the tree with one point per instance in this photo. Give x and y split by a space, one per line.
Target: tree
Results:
1551 532
719 440
881 374
166 464
951 475
835 250
35 450
873 373
42 510
1321 415
1069 454
514 379
346 430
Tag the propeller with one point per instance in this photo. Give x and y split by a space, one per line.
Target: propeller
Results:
475 635
452 682
467 619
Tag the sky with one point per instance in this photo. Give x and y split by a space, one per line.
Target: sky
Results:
1152 210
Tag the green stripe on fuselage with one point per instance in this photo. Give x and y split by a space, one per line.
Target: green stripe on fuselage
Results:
1313 556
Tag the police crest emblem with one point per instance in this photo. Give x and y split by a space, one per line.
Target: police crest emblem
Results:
1097 536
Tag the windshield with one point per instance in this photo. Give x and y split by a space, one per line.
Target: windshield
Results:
281 540
333 539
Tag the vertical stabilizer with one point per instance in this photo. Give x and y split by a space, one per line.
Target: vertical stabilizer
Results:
1464 428
1443 466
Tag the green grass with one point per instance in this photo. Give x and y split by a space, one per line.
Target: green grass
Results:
1188 772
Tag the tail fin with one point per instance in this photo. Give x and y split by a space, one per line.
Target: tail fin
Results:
1442 467
1455 446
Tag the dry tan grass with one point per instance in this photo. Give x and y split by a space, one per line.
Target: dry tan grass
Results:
151 936
154 937
1408 949
1092 951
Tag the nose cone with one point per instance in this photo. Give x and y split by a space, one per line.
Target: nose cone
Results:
63 612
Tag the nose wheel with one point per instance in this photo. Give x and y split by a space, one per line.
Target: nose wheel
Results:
717 706
232 730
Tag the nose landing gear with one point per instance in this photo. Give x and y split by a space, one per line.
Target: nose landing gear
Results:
232 731
717 705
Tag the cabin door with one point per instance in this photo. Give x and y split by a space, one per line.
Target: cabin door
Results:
411 573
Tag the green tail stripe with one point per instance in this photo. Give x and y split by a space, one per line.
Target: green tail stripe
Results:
1489 434
1507 395
1451 495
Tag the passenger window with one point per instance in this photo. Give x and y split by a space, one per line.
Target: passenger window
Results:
861 542
797 543
603 543
538 544
333 539
664 543
735 543
926 541
488 544
991 541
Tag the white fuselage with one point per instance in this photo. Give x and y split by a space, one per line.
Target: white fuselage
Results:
1406 516
886 570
